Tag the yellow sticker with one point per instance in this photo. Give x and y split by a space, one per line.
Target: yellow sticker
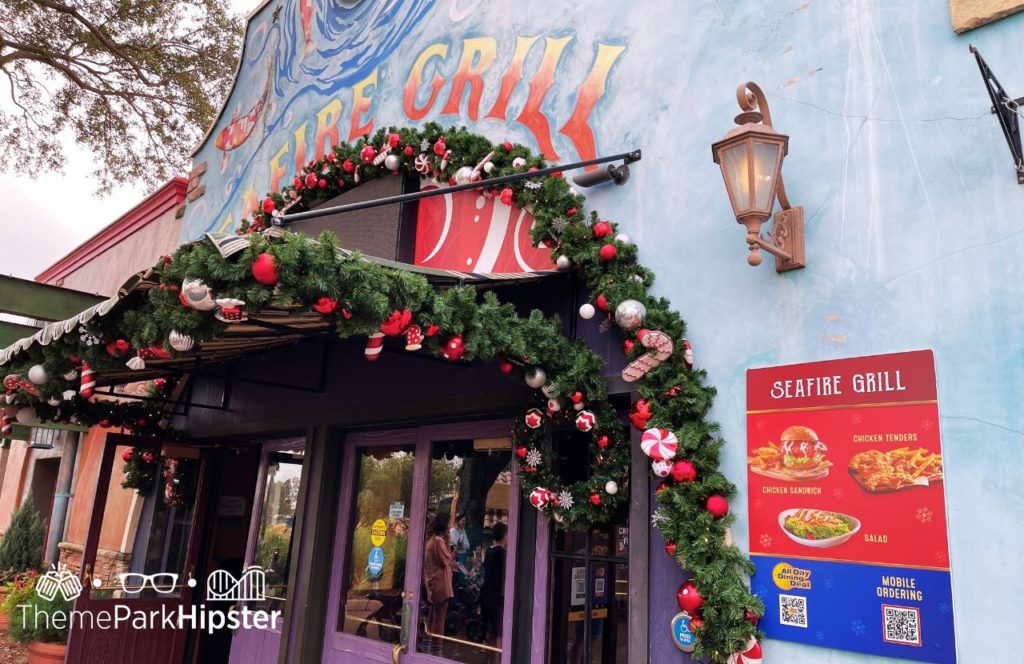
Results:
378 532
788 577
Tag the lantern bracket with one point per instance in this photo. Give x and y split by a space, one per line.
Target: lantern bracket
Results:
1006 111
785 240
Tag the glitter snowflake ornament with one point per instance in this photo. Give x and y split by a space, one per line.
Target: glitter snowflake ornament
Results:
532 184
565 499
560 224
424 145
533 458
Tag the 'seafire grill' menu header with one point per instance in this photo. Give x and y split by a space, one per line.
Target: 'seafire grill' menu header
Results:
891 378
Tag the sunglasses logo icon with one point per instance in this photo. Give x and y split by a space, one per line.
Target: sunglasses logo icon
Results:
162 582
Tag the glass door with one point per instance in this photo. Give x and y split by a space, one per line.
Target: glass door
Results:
426 519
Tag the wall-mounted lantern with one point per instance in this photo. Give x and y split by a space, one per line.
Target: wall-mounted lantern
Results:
750 156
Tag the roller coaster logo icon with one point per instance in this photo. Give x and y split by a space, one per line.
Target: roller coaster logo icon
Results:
222 586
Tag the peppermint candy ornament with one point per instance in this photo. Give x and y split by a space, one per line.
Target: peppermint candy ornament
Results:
752 655
585 421
540 498
659 444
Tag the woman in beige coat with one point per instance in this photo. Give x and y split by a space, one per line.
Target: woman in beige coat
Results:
438 566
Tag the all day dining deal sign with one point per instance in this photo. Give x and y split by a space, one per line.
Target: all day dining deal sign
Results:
847 508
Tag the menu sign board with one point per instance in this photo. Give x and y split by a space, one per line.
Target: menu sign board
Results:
847 509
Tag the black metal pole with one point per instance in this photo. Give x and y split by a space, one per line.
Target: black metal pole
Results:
627 157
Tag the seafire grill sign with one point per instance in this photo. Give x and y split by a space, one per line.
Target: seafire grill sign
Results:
847 509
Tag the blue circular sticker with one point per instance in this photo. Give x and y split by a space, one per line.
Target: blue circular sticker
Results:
375 561
682 636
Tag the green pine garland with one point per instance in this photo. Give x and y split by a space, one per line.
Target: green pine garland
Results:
360 295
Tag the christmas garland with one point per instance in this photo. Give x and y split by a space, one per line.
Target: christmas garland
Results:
201 292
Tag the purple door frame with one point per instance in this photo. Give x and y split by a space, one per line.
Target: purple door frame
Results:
261 646
340 647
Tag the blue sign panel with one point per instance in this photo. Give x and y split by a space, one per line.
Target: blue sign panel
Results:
899 612
682 635
375 562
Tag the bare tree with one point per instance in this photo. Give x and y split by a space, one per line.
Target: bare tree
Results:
136 82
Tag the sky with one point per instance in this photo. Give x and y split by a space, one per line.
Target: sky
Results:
52 213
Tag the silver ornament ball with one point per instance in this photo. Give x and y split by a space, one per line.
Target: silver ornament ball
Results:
536 378
563 262
392 162
630 314
611 487
623 239
37 374
587 311
26 415
464 175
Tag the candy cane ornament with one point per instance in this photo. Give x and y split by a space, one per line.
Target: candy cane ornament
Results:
688 354
660 345
88 384
752 655
13 381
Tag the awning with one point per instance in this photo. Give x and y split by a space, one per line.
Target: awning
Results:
264 329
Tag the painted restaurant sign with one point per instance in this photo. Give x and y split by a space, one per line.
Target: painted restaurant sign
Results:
847 509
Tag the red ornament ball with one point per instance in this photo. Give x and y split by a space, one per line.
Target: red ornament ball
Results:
751 617
506 196
571 212
122 345
602 442
717 505
689 598
601 302
160 384
602 228
506 366
127 454
683 471
311 180
577 397
595 499
507 145
407 151
394 140
627 346
167 260
367 153
141 421
521 451
297 182
608 252
148 457
348 166
696 623
670 549
439 147
264 269
322 183
103 424
269 205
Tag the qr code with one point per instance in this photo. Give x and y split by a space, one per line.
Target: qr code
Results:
901 624
793 610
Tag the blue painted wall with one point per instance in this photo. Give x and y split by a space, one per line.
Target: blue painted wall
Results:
913 217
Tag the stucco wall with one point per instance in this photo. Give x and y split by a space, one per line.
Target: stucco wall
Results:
911 203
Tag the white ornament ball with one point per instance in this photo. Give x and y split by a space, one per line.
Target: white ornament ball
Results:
563 262
630 314
548 390
611 487
464 175
37 374
536 378
488 167
180 342
587 311
661 467
518 162
26 415
579 406
623 239
392 162
553 405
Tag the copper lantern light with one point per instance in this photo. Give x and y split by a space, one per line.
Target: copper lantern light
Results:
750 156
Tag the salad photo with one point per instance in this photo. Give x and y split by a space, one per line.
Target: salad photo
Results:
819 529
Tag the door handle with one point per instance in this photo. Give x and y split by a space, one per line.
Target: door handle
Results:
403 639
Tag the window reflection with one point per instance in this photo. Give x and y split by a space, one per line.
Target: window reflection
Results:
277 521
378 543
466 559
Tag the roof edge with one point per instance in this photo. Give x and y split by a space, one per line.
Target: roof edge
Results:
167 197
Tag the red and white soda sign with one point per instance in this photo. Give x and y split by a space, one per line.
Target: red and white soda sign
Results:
470 232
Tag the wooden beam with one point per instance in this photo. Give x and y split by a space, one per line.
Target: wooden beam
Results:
11 332
31 299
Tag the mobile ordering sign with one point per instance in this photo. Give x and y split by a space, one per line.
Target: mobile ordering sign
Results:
847 508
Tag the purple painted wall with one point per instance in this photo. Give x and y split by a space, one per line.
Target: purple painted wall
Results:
666 577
